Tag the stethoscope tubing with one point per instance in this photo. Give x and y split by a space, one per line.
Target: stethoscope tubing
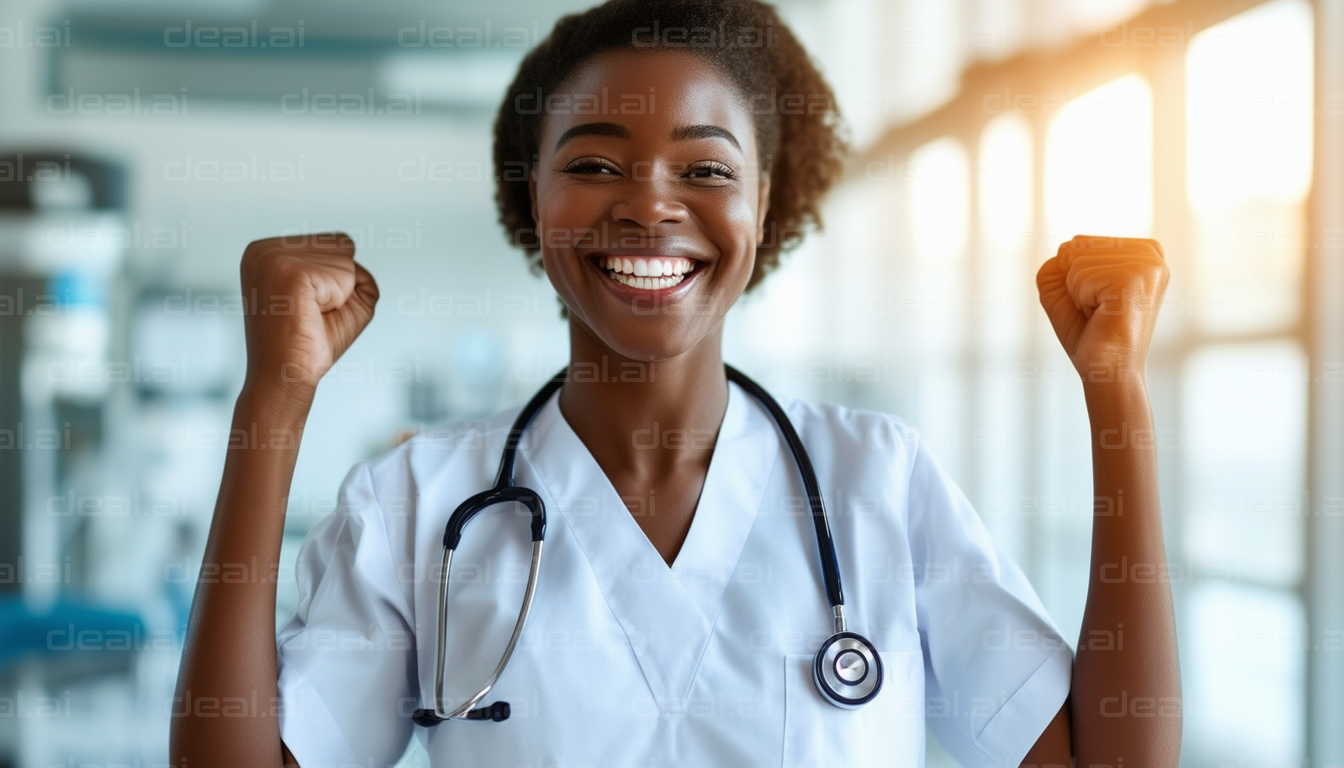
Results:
504 490
830 565
466 707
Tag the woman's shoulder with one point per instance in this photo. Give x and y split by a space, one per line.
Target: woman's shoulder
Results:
859 433
466 448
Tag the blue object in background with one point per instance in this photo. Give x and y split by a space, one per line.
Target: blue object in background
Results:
69 626
74 288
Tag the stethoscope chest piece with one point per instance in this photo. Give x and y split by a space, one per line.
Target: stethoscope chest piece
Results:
848 670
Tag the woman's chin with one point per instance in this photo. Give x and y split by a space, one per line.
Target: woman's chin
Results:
645 349
645 342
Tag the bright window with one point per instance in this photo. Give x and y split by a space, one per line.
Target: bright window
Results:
939 200
1249 125
1099 163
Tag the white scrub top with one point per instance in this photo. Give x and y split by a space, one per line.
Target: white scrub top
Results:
626 661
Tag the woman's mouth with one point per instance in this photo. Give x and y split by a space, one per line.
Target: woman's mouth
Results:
647 273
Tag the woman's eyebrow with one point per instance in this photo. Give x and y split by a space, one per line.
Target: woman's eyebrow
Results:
593 129
704 132
684 133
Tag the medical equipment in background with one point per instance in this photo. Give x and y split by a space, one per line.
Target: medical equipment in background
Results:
847 668
62 239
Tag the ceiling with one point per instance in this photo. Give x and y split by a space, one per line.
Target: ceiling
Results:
450 55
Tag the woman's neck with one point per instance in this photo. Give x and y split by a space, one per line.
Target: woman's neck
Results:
645 419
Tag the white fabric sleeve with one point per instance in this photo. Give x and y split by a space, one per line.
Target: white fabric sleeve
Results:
996 669
346 656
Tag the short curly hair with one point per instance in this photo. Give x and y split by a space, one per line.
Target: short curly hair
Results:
799 133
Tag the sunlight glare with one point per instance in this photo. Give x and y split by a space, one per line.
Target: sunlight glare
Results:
1099 163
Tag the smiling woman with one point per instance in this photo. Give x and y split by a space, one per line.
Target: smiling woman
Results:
672 481
674 186
793 117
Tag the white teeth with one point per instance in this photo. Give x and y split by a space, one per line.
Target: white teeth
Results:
647 273
647 283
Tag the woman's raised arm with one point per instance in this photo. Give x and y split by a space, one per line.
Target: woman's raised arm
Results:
1102 295
306 301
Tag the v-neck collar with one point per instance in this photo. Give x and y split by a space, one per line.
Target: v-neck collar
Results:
668 614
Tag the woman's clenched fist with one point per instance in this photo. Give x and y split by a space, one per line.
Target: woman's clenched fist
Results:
1102 295
307 300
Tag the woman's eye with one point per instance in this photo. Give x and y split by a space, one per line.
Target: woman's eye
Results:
711 171
589 167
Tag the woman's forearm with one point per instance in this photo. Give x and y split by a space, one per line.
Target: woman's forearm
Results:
225 707
1126 696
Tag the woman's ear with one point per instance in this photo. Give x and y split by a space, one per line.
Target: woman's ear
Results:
532 196
762 208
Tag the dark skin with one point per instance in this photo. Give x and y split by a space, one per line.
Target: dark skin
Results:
645 181
699 197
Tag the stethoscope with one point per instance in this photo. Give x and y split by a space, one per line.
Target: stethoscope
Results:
847 668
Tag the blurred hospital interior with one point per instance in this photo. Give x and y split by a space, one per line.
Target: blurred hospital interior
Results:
144 143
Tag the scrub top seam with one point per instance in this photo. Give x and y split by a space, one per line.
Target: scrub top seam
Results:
340 517
909 479
405 611
925 492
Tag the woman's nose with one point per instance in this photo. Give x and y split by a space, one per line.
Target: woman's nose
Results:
649 202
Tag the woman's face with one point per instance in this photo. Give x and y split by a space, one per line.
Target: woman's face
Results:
648 200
